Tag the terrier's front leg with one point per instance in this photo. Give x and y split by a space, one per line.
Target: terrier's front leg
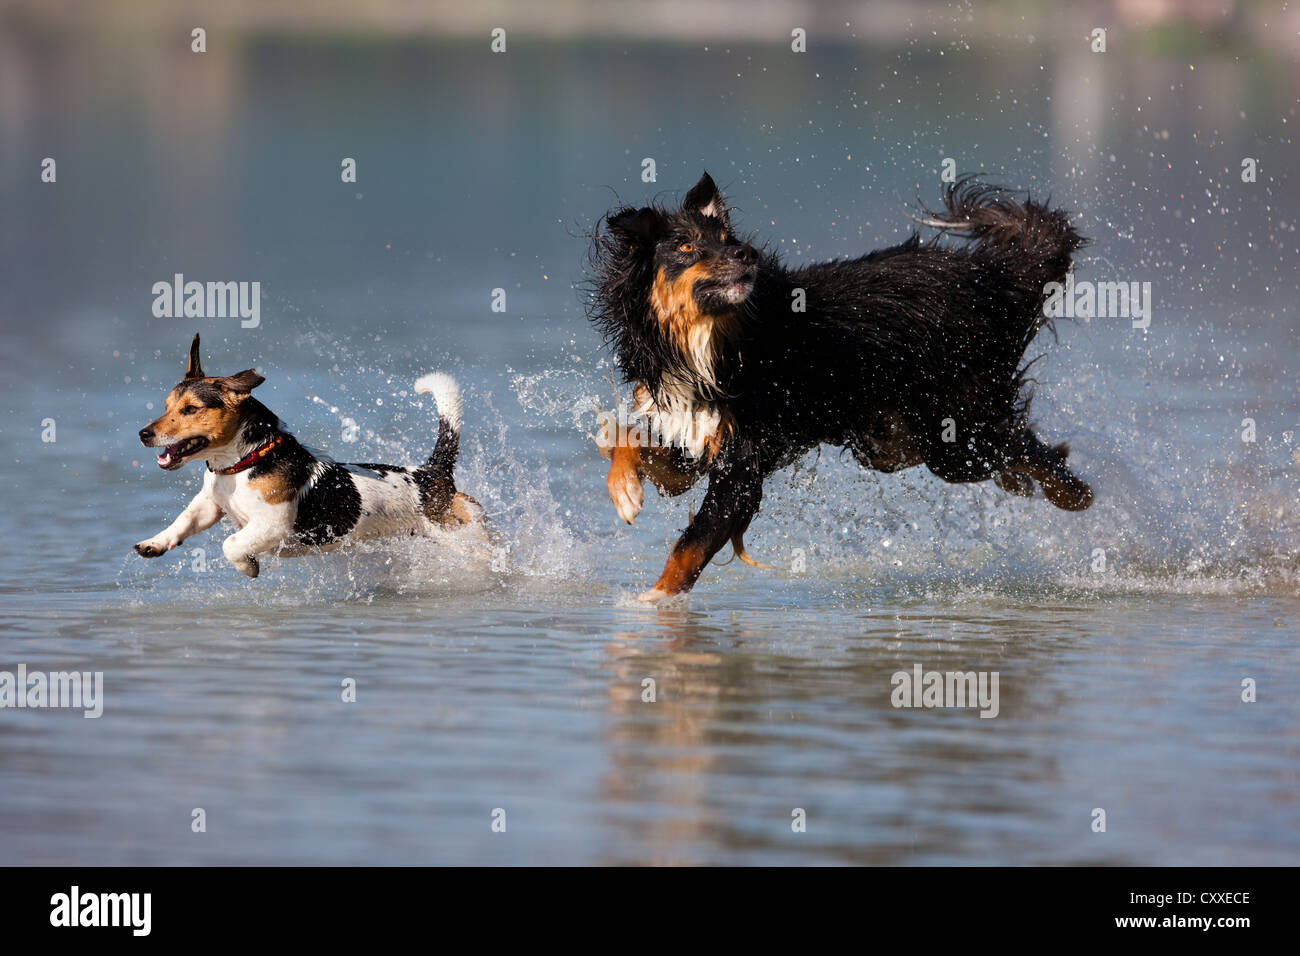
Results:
238 555
199 515
242 548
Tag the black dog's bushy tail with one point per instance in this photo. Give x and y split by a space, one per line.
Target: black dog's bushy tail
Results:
1040 240
1018 247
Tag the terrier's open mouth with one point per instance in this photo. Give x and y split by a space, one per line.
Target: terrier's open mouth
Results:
173 456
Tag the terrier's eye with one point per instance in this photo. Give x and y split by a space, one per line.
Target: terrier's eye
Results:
189 409
686 247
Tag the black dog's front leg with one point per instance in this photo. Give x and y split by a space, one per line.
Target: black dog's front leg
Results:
735 491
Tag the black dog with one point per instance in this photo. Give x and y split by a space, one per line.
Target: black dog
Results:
910 355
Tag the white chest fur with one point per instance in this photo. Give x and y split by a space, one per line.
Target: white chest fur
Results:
240 503
678 419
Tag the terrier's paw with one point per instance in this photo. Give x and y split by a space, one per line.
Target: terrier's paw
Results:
653 596
626 492
247 565
151 549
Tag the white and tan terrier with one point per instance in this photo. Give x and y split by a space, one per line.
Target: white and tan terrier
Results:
282 498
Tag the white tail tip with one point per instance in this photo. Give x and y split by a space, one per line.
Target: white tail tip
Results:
446 393
947 224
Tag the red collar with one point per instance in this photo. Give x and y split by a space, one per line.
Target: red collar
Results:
251 459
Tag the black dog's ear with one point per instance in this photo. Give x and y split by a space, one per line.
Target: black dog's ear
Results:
244 381
705 199
644 225
194 369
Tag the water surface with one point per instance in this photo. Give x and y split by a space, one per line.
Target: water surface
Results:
518 685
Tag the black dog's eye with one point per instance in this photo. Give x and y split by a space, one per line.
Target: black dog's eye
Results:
189 409
686 247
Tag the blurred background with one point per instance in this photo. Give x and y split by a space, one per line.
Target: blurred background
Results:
519 685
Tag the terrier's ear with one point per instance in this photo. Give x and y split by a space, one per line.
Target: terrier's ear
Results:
644 225
705 199
194 369
244 381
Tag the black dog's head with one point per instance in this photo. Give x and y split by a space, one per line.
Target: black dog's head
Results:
681 273
698 264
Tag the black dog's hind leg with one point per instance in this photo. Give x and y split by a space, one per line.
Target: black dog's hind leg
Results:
1015 483
1046 465
738 550
735 491
1013 463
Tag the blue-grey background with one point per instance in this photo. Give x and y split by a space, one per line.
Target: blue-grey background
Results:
518 686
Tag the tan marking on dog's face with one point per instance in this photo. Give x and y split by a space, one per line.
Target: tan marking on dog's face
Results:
693 333
674 299
185 416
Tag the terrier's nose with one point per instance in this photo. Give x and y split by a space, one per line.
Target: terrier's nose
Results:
744 253
146 436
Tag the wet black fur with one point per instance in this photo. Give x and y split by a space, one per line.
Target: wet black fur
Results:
911 335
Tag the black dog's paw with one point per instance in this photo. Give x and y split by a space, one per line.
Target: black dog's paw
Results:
1067 491
1015 483
147 549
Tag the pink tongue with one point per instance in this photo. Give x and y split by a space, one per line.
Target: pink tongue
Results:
165 458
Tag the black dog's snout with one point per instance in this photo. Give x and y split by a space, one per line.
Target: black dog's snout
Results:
146 436
743 253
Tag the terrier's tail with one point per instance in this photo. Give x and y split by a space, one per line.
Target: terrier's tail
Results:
437 475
